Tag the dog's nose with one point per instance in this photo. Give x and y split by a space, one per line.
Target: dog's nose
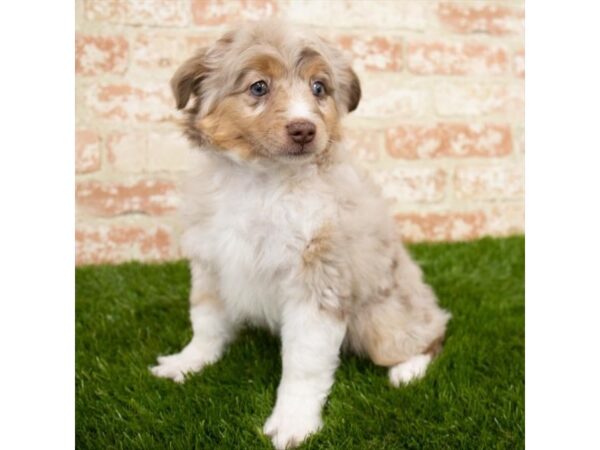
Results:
301 131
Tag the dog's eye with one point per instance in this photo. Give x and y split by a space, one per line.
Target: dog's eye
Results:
259 88
318 89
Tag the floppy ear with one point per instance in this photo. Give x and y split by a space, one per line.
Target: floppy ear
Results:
347 80
351 89
188 77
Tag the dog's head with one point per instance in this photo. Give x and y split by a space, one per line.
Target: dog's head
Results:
267 91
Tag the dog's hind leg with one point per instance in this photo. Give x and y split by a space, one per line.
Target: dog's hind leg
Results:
410 370
415 367
401 327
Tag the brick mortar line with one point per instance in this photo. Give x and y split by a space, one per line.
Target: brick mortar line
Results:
130 33
374 124
142 221
450 169
432 22
430 17
455 207
115 176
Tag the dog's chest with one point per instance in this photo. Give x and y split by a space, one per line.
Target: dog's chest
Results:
256 240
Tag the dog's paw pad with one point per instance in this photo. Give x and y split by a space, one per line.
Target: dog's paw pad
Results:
410 370
288 430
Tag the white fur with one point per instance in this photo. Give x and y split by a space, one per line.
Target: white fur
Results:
256 238
410 370
305 247
245 236
311 342
212 331
299 109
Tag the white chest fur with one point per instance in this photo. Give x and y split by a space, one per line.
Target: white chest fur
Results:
255 235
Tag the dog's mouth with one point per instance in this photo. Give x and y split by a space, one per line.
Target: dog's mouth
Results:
298 152
287 152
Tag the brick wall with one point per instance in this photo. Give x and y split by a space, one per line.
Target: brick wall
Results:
441 123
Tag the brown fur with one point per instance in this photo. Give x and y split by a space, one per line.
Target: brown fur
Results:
354 92
186 80
435 347
386 327
225 115
226 128
317 248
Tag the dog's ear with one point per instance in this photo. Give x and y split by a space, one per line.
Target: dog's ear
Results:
188 77
350 86
347 80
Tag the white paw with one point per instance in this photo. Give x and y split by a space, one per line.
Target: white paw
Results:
410 370
287 427
178 365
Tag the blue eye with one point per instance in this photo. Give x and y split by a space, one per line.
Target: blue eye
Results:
259 88
318 89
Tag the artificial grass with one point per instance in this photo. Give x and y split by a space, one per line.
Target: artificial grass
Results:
471 397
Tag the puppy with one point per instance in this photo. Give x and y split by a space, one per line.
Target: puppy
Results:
283 231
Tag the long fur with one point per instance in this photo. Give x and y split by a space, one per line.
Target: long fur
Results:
292 237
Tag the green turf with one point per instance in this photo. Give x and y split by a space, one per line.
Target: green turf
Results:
471 397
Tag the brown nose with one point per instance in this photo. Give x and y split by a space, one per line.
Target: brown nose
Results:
301 131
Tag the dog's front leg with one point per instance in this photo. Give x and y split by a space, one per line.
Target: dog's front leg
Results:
212 328
311 340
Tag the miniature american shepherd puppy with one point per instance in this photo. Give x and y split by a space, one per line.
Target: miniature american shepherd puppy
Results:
283 231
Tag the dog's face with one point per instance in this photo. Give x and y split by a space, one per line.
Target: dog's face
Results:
267 92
